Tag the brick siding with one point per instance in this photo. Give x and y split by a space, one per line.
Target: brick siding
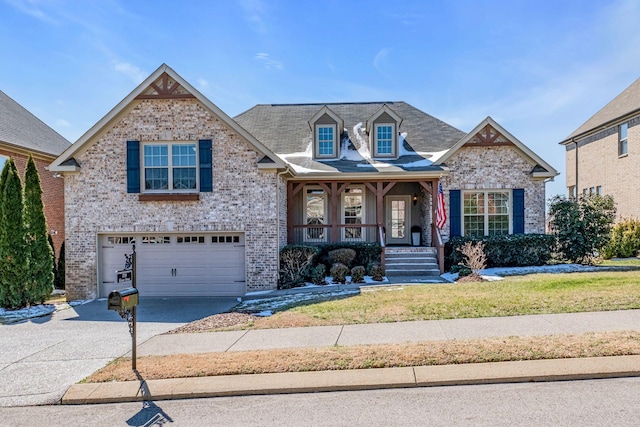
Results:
600 165
497 168
244 199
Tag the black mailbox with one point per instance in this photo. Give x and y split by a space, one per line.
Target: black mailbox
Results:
122 300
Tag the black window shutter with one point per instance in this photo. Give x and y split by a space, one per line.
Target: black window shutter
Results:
455 219
206 170
518 211
133 166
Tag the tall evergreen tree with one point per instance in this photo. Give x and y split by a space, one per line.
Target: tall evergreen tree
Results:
55 267
13 259
4 291
59 284
40 254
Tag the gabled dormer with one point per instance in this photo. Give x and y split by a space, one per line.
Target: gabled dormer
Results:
382 129
326 127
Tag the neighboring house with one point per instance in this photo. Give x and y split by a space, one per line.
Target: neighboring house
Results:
603 154
209 200
21 134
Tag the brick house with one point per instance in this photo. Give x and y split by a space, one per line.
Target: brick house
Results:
603 154
21 134
209 200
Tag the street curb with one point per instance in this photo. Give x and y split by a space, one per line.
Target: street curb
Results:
349 380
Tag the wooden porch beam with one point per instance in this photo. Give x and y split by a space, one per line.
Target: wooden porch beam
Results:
296 187
427 186
335 231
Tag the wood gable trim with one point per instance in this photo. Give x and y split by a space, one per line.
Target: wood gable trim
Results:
488 137
165 91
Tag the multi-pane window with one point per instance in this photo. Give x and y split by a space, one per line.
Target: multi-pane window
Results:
622 138
353 212
384 140
326 140
170 167
315 209
486 213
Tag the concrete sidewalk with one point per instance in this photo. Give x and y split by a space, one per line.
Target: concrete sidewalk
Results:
368 334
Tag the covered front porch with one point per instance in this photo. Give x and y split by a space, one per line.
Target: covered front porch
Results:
391 212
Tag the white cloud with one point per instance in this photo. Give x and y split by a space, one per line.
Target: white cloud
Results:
379 60
32 8
63 123
268 62
255 11
133 72
202 84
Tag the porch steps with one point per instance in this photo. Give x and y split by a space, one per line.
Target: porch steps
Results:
411 261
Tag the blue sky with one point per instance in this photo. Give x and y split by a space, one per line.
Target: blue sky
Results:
540 68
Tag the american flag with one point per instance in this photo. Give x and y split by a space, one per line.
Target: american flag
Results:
441 213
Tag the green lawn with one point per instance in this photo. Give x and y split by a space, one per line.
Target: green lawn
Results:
515 295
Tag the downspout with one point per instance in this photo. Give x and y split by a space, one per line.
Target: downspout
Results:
576 187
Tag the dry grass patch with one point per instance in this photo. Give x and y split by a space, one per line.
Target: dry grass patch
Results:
376 356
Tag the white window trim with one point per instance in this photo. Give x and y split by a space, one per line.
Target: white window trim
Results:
325 233
169 144
624 140
316 150
3 160
486 208
394 141
363 233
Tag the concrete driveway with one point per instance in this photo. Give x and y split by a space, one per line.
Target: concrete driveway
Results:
42 357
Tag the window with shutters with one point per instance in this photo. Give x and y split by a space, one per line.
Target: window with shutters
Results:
170 167
486 213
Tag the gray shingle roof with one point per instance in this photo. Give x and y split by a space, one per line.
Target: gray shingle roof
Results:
20 128
627 102
284 128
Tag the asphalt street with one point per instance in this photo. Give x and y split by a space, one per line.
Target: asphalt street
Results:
569 403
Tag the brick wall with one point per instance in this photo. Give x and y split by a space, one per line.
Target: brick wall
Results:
244 199
600 165
497 168
52 192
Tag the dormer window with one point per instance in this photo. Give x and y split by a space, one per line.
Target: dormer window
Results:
326 141
384 144
382 128
326 126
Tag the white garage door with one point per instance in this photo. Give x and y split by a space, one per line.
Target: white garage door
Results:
176 264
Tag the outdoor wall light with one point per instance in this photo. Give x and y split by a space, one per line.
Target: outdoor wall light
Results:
415 198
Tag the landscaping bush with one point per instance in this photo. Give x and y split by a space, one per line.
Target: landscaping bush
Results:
366 253
339 273
319 274
295 264
475 258
462 270
342 256
625 240
376 271
582 227
357 274
513 250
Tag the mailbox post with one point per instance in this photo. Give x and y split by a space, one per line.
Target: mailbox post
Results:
125 301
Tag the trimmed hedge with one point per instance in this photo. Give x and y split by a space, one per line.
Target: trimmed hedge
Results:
513 250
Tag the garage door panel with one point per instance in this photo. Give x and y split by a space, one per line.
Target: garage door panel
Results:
202 265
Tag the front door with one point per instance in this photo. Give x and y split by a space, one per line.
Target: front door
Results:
398 210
